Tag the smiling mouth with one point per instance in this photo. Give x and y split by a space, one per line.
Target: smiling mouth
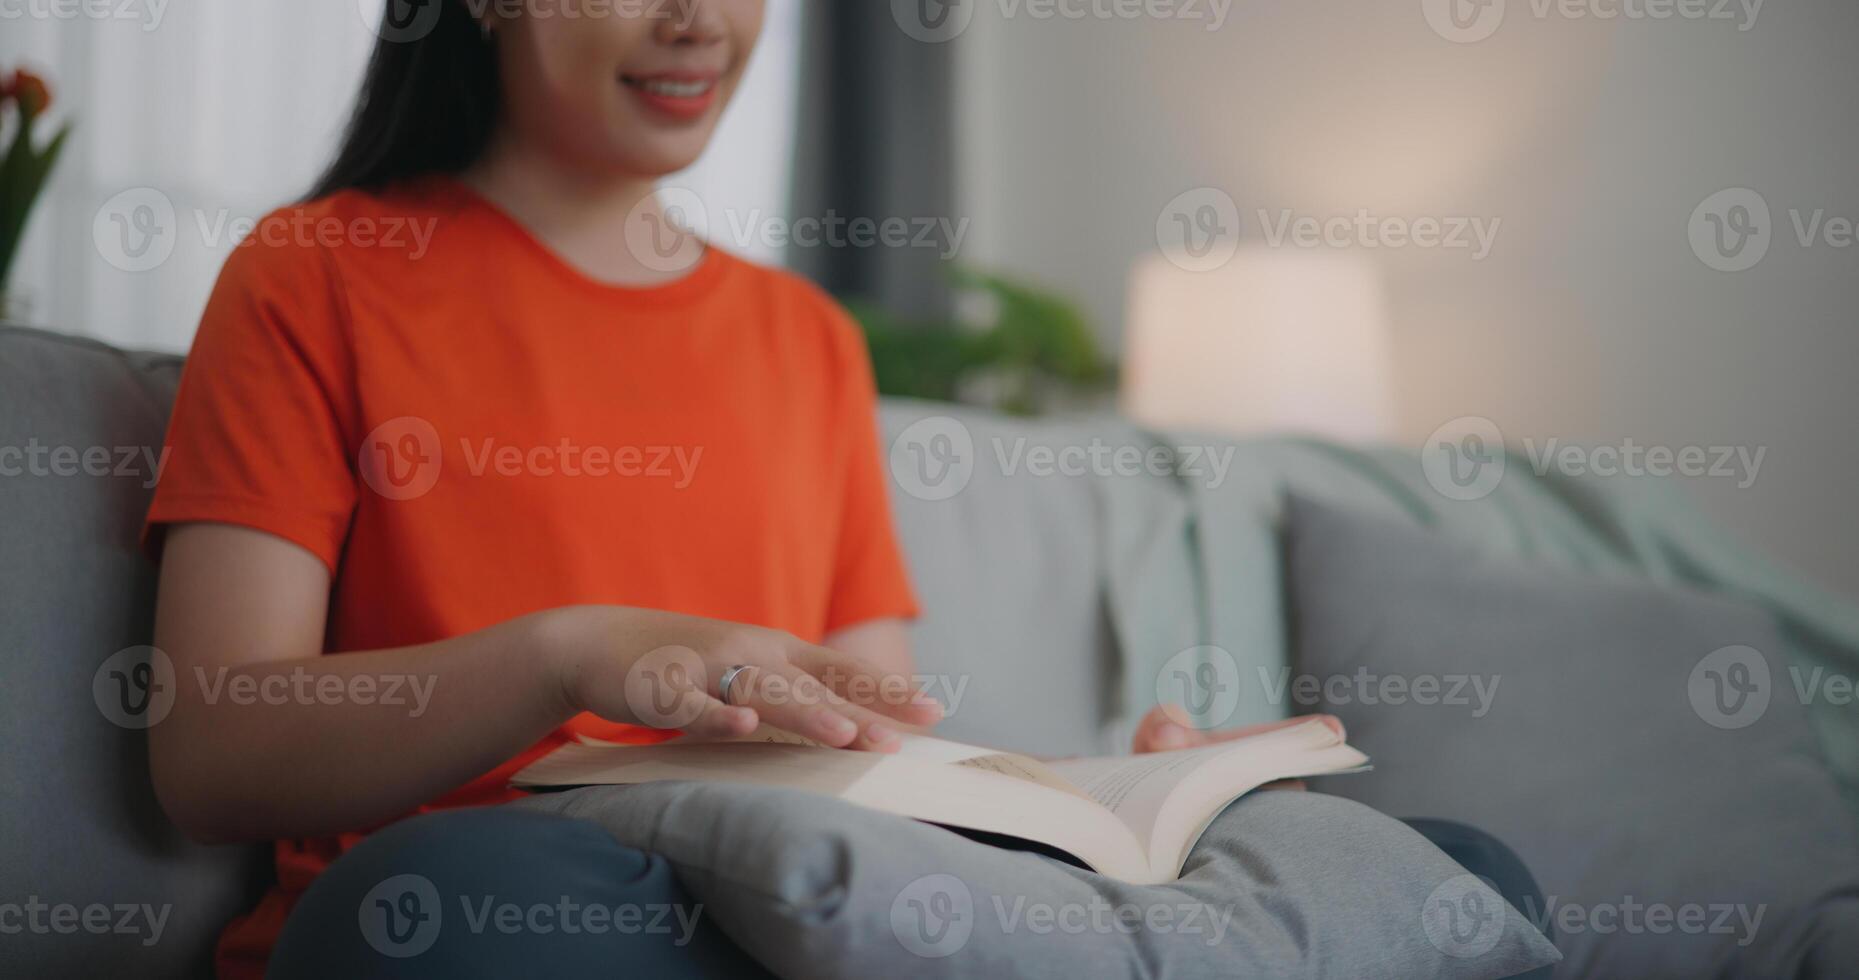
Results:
671 88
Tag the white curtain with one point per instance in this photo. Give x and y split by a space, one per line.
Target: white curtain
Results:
226 109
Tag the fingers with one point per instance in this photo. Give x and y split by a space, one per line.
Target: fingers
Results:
867 686
719 720
1164 729
789 698
1169 727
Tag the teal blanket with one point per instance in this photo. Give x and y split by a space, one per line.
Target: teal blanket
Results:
1196 563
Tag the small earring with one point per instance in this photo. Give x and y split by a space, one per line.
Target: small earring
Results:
485 26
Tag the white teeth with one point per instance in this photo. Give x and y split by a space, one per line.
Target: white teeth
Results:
675 90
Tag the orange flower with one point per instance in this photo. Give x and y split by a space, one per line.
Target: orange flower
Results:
31 91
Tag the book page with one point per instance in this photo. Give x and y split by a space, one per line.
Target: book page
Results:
1136 787
996 794
1167 799
937 750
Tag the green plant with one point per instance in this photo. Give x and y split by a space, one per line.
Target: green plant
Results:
1034 347
25 167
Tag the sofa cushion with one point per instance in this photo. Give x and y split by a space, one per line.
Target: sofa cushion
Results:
1282 884
80 433
1676 829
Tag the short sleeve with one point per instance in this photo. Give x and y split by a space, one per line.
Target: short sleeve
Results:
870 580
266 407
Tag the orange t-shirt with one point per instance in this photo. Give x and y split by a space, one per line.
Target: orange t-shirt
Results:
466 429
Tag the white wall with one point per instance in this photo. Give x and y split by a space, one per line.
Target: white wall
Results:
228 109
1593 141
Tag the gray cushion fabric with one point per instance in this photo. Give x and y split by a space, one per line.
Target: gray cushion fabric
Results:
82 827
1281 884
1009 569
1596 751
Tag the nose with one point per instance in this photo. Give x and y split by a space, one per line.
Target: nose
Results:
693 23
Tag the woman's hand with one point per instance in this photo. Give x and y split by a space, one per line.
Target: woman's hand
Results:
664 670
1168 728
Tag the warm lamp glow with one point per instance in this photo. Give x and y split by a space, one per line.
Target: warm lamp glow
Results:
1274 341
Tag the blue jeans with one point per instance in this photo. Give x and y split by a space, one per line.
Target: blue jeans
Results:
499 892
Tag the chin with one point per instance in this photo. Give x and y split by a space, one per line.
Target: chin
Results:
659 158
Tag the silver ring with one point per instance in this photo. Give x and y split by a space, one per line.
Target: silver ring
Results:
729 678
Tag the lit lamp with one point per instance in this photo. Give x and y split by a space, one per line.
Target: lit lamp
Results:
1273 341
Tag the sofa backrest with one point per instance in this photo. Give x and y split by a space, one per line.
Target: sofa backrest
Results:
1007 556
82 826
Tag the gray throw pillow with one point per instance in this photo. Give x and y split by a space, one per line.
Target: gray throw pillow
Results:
1643 750
1282 884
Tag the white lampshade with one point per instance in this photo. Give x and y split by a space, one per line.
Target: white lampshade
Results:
1273 341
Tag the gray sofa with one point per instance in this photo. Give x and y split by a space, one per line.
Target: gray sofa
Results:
82 827
1055 609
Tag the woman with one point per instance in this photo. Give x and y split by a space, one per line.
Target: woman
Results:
433 453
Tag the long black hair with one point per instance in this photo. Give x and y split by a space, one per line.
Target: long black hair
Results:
429 103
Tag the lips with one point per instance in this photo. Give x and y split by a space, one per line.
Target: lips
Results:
679 95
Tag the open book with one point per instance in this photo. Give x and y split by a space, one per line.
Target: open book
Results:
1129 817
